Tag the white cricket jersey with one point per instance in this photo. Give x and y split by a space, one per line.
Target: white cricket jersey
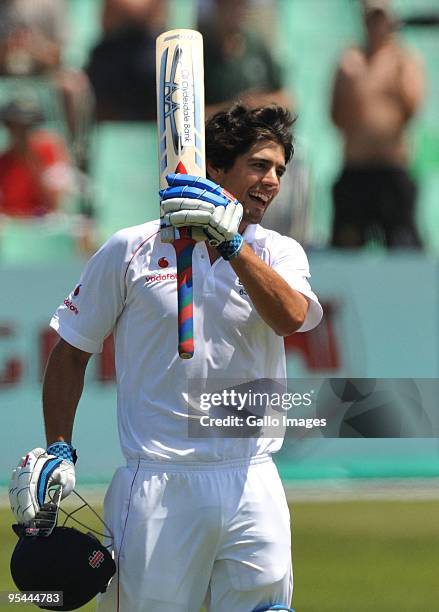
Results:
128 288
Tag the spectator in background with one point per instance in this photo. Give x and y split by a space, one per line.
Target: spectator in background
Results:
377 91
35 171
121 67
238 63
240 66
32 37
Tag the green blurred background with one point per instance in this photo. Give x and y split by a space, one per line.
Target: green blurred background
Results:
352 556
365 516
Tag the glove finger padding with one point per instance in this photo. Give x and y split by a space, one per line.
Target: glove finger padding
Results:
186 218
219 226
32 478
224 223
217 198
196 188
197 233
23 505
196 202
175 204
190 180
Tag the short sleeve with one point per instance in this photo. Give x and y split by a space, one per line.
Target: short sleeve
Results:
87 316
289 260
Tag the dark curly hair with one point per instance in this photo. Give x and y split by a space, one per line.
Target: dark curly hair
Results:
233 132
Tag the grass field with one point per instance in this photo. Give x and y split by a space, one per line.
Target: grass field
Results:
348 557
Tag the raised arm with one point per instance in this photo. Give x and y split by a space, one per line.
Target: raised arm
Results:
283 308
206 205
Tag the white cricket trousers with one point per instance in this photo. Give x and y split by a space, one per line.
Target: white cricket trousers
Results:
192 534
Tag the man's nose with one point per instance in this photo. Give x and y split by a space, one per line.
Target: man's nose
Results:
270 178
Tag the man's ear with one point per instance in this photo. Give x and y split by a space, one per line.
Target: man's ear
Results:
213 173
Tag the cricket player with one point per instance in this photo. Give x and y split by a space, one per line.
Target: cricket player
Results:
195 520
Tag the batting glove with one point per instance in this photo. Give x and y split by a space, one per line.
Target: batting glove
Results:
192 201
36 473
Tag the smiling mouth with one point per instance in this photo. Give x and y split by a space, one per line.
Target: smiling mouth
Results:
261 200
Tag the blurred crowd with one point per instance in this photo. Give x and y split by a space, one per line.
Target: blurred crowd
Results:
377 89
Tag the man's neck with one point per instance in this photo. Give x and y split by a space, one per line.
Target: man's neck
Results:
242 227
375 46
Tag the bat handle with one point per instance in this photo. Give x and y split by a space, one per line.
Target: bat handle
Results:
184 245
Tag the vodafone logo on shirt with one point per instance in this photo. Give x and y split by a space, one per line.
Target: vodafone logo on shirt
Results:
71 306
155 277
161 276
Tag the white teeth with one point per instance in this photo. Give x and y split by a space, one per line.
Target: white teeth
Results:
262 196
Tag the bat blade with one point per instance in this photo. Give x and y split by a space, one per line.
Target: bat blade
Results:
181 148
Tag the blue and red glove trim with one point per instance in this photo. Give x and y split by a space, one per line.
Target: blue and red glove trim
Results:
231 248
196 188
63 450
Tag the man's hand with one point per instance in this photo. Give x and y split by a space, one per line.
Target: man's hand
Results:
192 201
35 473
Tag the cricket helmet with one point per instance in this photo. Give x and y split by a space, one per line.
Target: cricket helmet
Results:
68 560
52 558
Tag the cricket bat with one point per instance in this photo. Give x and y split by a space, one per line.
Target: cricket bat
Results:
181 148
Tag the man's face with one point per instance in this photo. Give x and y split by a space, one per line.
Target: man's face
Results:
254 179
379 25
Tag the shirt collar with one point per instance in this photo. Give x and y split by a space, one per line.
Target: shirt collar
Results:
254 232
